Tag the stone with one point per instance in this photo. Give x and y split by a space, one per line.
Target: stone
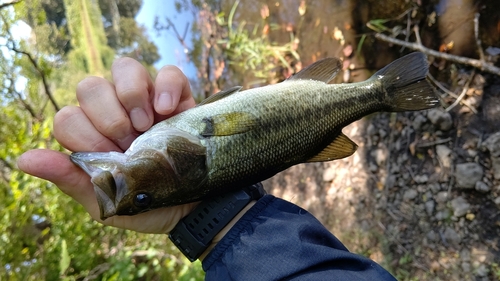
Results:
451 236
421 178
460 206
429 207
443 215
466 266
329 174
482 187
432 236
410 194
495 165
442 196
482 270
497 201
493 144
444 155
440 118
467 174
418 121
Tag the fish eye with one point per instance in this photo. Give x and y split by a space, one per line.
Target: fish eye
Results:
142 200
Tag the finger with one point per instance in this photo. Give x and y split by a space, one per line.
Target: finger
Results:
172 92
56 167
74 131
99 102
134 89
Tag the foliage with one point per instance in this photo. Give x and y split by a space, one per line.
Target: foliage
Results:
44 235
250 52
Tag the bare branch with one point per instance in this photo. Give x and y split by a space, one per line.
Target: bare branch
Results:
45 83
482 65
5 5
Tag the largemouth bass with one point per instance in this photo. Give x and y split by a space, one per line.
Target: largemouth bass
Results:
236 138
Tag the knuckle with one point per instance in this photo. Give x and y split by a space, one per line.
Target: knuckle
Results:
116 127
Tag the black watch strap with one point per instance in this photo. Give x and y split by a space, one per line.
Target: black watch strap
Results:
193 234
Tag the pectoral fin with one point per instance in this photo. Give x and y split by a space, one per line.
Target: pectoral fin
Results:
229 124
220 95
341 147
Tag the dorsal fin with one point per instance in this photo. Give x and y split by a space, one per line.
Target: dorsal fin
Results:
220 95
323 70
341 147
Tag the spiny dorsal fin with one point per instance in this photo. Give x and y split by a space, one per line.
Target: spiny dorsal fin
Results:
227 124
220 95
341 147
323 70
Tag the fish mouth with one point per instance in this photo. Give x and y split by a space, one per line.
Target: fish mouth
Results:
106 204
108 181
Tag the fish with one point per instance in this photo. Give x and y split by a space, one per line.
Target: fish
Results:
236 137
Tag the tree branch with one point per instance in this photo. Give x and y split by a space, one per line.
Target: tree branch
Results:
5 5
42 75
482 65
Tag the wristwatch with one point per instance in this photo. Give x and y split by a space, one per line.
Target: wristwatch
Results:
193 234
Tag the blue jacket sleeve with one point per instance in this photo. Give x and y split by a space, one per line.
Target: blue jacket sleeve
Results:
277 240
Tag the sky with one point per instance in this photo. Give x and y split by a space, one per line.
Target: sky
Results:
169 48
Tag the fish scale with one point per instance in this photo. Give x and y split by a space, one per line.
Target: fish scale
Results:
237 138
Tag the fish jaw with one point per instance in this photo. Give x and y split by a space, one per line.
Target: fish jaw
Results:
104 170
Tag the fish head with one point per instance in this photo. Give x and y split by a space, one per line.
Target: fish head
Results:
128 184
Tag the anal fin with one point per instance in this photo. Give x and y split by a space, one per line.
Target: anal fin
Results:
229 124
341 147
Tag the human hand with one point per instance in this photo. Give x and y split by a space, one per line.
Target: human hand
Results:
109 118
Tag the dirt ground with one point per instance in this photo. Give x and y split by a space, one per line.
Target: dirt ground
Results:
420 195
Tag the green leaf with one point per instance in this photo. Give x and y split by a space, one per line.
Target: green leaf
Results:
64 259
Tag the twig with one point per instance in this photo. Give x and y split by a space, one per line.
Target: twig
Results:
482 65
434 143
440 86
476 34
4 5
35 65
464 91
42 75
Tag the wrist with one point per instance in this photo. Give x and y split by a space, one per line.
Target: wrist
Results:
226 229
211 220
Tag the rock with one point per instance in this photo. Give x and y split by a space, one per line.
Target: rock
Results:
380 156
460 206
435 187
493 144
421 178
444 155
442 197
467 174
329 174
451 236
466 266
482 187
482 270
418 122
495 165
429 207
440 118
443 215
432 236
497 201
410 194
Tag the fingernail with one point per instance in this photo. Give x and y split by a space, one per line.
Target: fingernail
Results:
139 118
164 102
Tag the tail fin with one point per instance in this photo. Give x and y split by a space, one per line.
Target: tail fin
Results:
405 83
